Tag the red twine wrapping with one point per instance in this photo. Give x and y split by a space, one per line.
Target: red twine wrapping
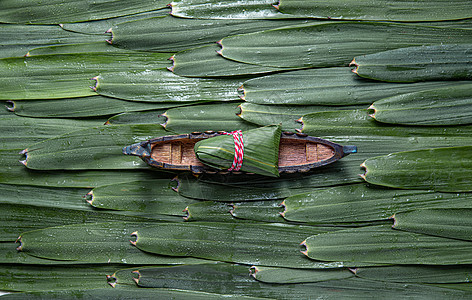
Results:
238 149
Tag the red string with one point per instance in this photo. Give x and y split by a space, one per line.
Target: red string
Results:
238 149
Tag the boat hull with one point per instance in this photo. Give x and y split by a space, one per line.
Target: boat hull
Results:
298 152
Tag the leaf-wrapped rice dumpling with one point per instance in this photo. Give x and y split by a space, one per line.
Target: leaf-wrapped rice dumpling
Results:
261 151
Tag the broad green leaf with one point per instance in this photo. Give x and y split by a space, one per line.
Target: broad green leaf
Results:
206 62
82 107
288 115
226 9
9 255
128 293
67 75
170 34
93 243
17 40
325 86
359 202
100 26
447 222
332 44
358 122
160 85
216 117
60 11
93 148
141 117
150 196
270 245
40 278
443 106
18 218
436 62
422 10
84 48
417 274
265 211
17 132
286 275
16 173
382 244
209 211
261 151
442 169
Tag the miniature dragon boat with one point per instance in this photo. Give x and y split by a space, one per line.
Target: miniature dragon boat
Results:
292 152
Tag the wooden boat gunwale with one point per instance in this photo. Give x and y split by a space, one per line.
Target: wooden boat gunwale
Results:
144 151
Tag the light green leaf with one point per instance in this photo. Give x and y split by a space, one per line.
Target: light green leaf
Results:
437 62
206 62
82 107
68 75
332 44
359 203
326 86
160 85
442 106
216 117
93 243
226 9
209 211
17 132
17 40
170 34
61 11
442 169
422 10
93 148
270 245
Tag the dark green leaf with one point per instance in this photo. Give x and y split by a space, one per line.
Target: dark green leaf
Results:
452 223
140 117
382 244
40 278
285 275
418 274
332 44
265 211
270 245
92 148
437 62
153 197
209 211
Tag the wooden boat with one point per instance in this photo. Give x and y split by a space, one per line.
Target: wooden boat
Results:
297 152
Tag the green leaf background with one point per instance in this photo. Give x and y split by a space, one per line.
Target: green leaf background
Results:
82 79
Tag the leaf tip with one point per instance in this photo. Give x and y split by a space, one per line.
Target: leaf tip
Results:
134 234
356 66
176 188
353 270
89 197
10 105
253 271
242 92
112 280
19 240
